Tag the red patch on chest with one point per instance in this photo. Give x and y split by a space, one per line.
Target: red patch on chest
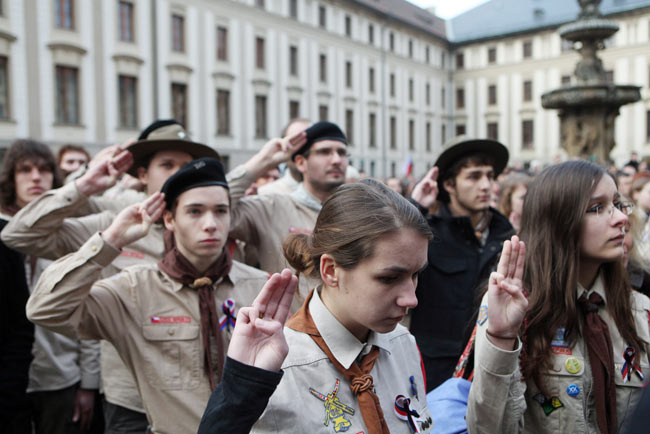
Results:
171 319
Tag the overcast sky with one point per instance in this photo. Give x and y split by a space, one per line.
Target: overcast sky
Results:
448 8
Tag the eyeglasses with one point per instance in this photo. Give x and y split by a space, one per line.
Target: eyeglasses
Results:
601 210
328 152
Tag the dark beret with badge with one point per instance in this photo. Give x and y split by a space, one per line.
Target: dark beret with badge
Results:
319 132
203 172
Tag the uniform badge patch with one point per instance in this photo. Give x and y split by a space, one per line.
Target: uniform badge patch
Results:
549 405
335 410
482 315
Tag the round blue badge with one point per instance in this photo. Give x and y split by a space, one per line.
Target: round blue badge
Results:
573 390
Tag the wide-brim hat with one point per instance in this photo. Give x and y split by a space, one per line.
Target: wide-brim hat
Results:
463 146
165 136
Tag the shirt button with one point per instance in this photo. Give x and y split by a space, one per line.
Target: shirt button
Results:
93 248
171 332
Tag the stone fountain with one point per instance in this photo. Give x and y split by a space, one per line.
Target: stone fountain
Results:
589 108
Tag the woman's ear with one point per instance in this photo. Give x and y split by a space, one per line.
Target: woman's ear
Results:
168 219
328 271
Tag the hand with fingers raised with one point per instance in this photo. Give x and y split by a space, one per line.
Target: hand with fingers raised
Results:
274 152
134 221
104 170
507 302
258 338
426 191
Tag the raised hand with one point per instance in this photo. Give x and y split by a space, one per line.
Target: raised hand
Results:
134 221
274 152
258 337
426 191
104 170
507 302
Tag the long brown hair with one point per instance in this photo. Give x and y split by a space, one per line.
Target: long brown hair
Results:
350 223
554 207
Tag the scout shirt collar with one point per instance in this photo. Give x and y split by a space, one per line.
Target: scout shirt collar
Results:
303 196
598 287
345 347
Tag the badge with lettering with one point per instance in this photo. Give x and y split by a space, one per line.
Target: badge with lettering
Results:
573 390
549 405
170 319
335 410
482 315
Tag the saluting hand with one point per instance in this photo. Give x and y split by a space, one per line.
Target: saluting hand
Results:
105 169
258 338
507 302
426 191
274 152
134 221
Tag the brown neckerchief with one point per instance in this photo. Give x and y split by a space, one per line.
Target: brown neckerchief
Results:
358 376
599 344
180 269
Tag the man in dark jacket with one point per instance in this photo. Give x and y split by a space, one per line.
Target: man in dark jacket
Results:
467 238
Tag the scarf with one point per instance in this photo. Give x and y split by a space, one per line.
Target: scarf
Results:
180 269
302 196
599 345
358 375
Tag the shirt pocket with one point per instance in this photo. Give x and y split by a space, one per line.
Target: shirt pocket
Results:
173 355
628 393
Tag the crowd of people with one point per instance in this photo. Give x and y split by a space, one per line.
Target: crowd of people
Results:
147 290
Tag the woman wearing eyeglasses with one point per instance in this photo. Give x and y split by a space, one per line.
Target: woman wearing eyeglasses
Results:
570 355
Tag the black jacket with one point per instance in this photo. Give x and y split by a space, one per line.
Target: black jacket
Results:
449 287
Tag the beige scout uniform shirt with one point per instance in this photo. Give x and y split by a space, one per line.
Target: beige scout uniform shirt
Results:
284 185
59 222
152 320
294 408
500 402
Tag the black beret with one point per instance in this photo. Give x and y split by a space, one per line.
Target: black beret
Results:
197 173
318 132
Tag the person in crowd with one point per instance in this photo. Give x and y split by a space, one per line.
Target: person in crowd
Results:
511 202
60 375
634 161
563 343
396 185
641 192
292 176
173 336
62 220
636 255
349 363
468 236
72 157
624 179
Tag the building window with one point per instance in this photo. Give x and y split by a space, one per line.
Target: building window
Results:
393 169
528 49
443 133
609 76
67 95
323 112
178 33
492 55
492 94
126 21
460 129
443 97
179 103
259 3
372 168
460 61
259 52
391 41
493 131
348 26
411 91
372 133
293 8
566 80
427 136
222 43
4 88
64 10
411 48
647 133
427 94
348 74
528 90
443 60
128 89
323 68
371 80
294 109
322 16
427 54
393 132
260 116
223 112
293 60
349 126
527 134
371 34
460 98
392 85
411 135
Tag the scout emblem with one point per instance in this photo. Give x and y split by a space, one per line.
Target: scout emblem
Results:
549 405
228 319
334 409
482 315
572 365
573 390
404 412
559 344
628 366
